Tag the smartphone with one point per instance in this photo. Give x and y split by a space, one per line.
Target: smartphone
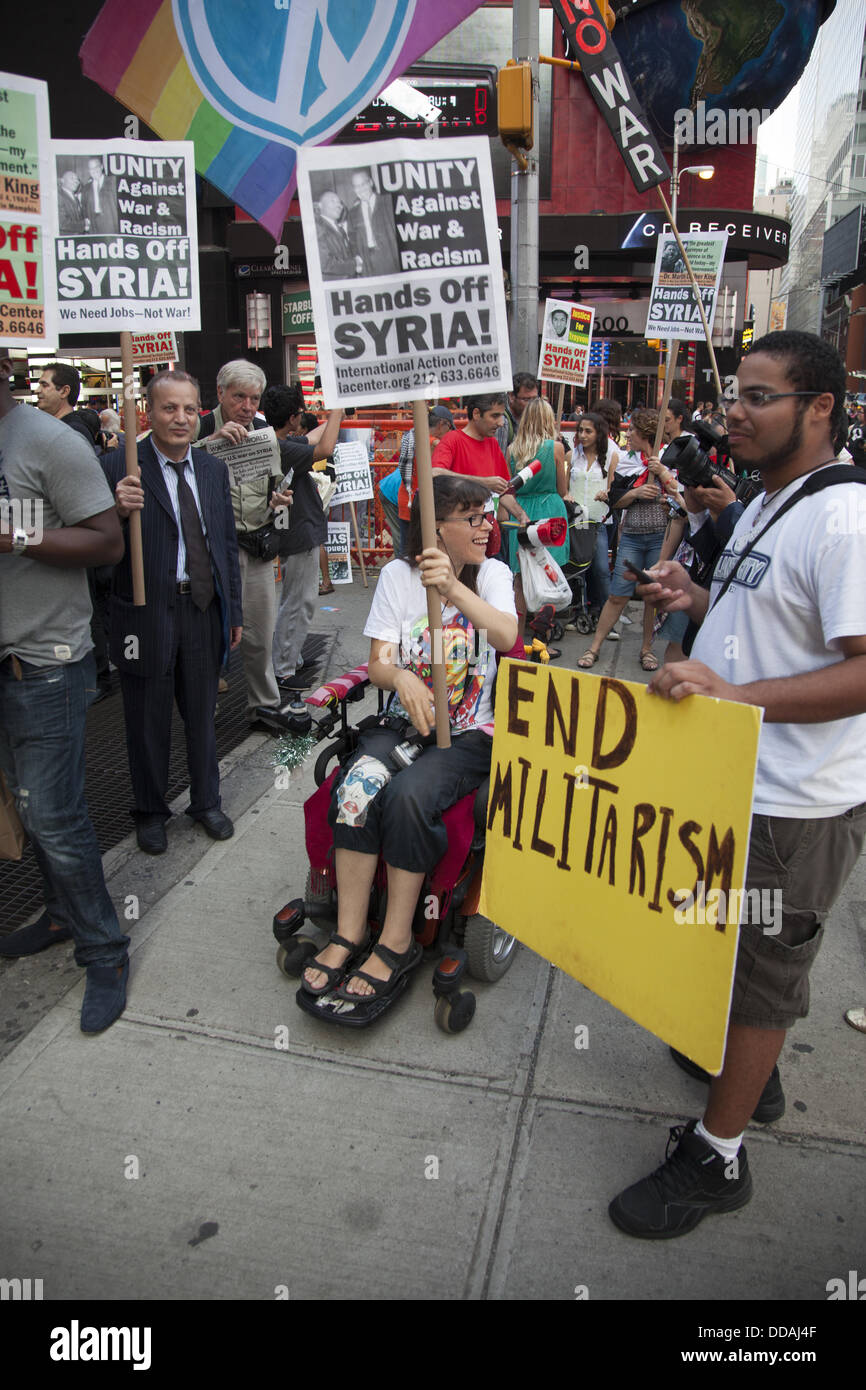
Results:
640 575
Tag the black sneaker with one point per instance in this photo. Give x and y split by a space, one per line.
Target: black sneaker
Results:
771 1105
693 1182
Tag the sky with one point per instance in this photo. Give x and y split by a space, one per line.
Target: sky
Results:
776 140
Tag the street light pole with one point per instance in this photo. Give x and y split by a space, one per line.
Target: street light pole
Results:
524 211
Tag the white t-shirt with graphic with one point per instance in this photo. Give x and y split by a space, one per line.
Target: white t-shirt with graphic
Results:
399 615
800 590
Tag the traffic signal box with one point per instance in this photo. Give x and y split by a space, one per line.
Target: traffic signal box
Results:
514 99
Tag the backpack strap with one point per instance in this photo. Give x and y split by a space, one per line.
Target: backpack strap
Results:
815 482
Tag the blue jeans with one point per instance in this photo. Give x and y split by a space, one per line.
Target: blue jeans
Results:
42 722
642 550
599 573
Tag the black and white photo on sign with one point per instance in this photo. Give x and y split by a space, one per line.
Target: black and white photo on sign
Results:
126 250
355 226
557 323
405 269
337 548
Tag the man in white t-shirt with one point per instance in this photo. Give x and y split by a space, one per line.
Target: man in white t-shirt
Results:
788 635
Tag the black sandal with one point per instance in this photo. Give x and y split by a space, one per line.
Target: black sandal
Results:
400 965
334 973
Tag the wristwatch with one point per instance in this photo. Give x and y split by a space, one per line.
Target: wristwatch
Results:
20 540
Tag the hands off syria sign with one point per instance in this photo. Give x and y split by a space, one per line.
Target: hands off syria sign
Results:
405 272
597 838
127 248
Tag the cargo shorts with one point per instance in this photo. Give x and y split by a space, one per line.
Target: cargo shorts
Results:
800 867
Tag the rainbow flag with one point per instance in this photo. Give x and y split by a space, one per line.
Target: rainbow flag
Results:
248 81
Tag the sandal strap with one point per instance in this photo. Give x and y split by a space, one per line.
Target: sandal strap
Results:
377 984
393 958
353 946
331 973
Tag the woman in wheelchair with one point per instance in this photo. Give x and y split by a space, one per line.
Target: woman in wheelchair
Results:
398 814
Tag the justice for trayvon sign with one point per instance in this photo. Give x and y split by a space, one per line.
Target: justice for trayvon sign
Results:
613 857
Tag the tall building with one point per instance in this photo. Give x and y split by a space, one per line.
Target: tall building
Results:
766 301
829 158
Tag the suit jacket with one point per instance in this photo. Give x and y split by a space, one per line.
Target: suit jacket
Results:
335 253
108 217
383 258
70 213
153 625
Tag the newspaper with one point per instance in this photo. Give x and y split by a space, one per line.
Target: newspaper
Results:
259 453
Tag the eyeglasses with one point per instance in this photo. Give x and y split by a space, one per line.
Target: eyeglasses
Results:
753 399
476 520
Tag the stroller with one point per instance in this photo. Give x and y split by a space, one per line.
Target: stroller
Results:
582 535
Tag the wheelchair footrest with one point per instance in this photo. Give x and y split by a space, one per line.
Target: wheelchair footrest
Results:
347 1014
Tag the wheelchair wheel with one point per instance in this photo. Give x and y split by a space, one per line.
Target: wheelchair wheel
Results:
556 631
489 949
333 750
293 956
454 1012
584 624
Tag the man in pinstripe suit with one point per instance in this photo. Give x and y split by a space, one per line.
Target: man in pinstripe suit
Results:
172 648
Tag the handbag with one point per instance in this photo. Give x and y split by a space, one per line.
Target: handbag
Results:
267 543
543 580
12 832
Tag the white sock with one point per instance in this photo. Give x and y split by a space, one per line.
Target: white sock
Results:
728 1148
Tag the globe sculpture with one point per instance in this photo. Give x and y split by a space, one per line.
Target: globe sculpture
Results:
725 53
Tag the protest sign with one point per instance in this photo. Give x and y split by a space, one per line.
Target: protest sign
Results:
609 854
565 342
259 454
127 244
354 479
405 272
337 548
609 86
154 347
27 214
673 310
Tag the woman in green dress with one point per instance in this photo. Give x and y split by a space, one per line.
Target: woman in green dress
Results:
542 495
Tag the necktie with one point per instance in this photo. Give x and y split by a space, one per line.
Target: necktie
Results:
197 557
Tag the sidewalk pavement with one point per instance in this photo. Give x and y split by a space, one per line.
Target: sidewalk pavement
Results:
217 1143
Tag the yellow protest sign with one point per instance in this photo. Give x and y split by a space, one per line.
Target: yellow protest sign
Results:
617 838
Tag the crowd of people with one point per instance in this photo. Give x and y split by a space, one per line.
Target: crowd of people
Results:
208 552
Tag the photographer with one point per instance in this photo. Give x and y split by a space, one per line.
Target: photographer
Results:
787 633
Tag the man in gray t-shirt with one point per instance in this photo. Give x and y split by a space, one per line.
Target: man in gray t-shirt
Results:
56 518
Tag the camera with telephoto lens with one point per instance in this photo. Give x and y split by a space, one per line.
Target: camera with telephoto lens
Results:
694 468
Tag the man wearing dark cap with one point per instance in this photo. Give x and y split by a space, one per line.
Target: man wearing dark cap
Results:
439 422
